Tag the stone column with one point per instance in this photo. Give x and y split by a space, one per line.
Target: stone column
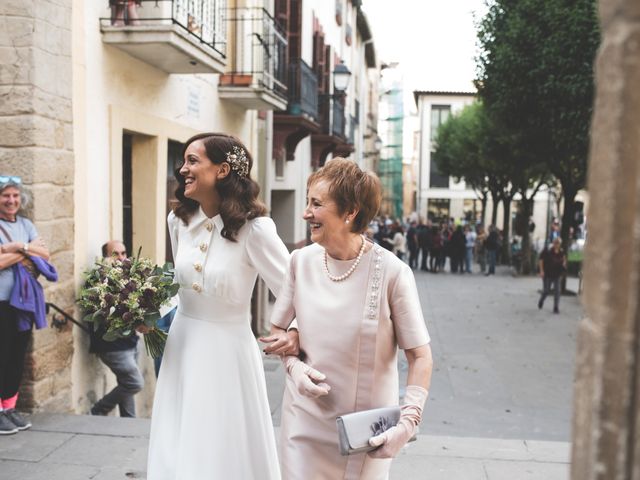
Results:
606 438
36 143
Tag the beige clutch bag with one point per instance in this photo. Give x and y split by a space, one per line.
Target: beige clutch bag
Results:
355 429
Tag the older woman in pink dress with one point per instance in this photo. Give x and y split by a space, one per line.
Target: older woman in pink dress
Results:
355 303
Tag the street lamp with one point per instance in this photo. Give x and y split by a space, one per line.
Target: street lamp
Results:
341 77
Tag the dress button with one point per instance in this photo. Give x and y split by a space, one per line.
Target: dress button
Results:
203 247
196 287
209 227
198 267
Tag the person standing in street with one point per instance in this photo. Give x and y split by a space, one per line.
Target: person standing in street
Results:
120 356
492 245
19 246
412 244
552 264
481 253
470 245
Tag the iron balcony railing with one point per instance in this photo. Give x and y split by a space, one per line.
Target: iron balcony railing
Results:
331 114
303 89
338 121
259 50
200 19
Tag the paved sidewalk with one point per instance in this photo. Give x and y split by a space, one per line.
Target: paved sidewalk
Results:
79 447
499 405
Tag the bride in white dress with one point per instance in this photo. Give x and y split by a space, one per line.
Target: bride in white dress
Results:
211 418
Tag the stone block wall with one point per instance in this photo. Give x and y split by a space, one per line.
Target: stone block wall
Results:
37 144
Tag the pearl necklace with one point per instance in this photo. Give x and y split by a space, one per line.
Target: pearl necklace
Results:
348 273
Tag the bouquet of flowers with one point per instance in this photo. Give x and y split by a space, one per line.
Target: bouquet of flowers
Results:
120 296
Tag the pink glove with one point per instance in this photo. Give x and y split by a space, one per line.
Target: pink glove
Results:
391 441
307 380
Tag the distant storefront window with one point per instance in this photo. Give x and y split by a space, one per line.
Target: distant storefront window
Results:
438 209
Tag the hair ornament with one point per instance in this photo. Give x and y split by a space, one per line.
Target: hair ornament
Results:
237 159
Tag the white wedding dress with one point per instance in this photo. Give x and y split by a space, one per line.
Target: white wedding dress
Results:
211 418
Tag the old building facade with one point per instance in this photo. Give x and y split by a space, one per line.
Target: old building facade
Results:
97 100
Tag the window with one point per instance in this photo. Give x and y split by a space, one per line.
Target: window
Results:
439 115
127 196
438 209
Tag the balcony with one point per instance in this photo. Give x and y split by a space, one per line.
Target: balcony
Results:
176 36
331 138
256 77
299 119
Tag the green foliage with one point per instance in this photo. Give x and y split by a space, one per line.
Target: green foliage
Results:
119 296
535 76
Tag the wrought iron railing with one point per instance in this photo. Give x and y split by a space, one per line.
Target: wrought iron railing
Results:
303 89
338 120
331 114
60 318
259 50
200 19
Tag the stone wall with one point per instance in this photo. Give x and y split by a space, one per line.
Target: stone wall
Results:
606 441
37 144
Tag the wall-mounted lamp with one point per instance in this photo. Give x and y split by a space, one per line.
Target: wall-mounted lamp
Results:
341 77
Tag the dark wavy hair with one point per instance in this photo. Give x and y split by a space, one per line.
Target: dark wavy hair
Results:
239 195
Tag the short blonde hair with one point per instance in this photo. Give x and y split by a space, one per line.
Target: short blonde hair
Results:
352 189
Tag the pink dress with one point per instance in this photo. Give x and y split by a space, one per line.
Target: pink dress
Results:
350 331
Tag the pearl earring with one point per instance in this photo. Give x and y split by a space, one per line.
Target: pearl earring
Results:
347 221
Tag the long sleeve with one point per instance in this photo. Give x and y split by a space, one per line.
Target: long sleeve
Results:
284 311
172 225
267 253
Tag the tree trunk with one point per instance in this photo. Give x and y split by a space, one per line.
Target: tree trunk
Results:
483 202
505 257
527 208
495 199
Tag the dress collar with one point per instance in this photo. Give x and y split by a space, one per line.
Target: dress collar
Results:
200 218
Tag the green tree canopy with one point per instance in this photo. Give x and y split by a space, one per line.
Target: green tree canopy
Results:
535 77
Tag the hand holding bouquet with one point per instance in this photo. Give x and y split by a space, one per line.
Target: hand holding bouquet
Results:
121 296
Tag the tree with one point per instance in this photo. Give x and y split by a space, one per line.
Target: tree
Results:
469 147
535 78
535 75
459 151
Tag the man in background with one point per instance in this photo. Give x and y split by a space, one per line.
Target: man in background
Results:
121 356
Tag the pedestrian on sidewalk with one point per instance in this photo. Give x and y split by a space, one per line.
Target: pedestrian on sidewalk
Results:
120 356
20 247
329 286
552 264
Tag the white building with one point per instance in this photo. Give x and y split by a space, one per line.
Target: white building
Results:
440 196
100 100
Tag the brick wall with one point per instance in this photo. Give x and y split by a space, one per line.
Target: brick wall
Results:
37 143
